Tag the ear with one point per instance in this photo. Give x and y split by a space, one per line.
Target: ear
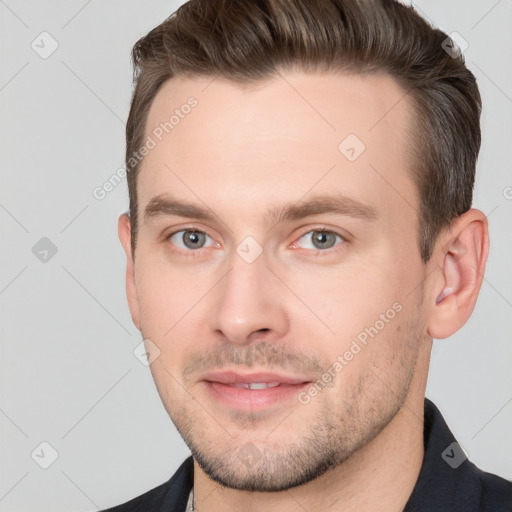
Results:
125 236
462 254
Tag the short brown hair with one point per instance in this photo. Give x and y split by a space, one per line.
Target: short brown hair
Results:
250 41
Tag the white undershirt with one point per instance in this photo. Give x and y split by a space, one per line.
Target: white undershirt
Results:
190 502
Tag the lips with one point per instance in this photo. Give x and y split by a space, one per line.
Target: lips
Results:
252 392
259 380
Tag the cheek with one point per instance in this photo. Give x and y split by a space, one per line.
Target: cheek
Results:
173 307
165 294
349 298
379 370
368 309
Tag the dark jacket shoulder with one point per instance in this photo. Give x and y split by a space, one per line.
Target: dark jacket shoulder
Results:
496 492
171 496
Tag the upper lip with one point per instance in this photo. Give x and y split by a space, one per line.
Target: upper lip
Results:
232 377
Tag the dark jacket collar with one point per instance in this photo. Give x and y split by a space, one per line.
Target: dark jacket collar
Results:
448 481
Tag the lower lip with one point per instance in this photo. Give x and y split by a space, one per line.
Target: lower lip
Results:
252 399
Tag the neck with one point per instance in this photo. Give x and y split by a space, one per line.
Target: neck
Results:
379 476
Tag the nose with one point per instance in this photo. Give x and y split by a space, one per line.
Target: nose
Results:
249 303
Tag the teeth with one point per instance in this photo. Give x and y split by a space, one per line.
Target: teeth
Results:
256 385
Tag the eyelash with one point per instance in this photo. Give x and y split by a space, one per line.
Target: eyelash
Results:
314 253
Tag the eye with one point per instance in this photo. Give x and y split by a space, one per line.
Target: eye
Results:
191 239
320 239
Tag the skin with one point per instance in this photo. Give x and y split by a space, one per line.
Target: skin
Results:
358 444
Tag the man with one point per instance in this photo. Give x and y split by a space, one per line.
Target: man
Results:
300 229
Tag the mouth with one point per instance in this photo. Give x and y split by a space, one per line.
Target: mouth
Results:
255 385
252 391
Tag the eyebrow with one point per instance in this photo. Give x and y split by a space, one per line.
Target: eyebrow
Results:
338 204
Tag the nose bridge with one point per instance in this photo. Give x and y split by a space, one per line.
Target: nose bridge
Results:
248 300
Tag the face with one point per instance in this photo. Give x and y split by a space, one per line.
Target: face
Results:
277 278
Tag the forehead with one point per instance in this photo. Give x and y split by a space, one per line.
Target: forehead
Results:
297 131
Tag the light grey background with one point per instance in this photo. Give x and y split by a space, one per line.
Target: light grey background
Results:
68 373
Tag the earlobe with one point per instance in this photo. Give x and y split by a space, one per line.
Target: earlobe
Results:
463 257
124 232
